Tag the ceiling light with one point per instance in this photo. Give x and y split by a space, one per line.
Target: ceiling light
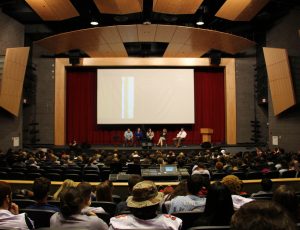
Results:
94 23
200 22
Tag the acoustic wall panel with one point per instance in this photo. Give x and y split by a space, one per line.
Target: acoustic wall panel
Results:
280 79
12 79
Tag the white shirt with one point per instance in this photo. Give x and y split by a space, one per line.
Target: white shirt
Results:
187 203
182 134
9 220
92 209
239 201
162 221
77 221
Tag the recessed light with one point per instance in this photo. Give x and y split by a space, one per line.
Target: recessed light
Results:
94 23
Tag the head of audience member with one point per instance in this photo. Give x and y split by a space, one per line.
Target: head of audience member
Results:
65 185
219 206
85 190
266 184
5 195
195 183
133 180
286 197
219 165
233 183
262 215
104 191
71 202
41 188
145 200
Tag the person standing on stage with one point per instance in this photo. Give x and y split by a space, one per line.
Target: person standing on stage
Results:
128 136
138 136
179 137
150 135
162 138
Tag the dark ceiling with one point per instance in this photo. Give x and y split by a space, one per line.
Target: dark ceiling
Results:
36 28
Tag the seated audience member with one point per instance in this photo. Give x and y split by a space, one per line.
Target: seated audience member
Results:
218 208
85 190
65 185
219 167
138 136
71 204
128 137
286 197
104 191
179 137
143 205
162 138
200 169
190 202
132 181
234 184
261 215
9 212
266 187
41 188
150 135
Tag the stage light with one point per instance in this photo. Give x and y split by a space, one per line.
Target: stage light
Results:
94 23
200 22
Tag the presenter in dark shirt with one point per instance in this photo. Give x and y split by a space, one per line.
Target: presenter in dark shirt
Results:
138 136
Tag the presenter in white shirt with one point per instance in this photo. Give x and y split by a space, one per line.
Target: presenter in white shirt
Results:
179 137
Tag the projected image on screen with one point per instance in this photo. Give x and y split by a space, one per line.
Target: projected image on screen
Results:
145 96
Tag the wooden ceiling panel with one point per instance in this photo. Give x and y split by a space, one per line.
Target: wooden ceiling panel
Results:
176 6
119 6
111 34
191 51
146 33
118 49
237 10
53 10
173 49
164 33
100 51
128 33
181 34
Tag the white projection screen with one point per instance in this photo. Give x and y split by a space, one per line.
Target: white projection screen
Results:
145 96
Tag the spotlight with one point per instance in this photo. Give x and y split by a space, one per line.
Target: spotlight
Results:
94 22
200 22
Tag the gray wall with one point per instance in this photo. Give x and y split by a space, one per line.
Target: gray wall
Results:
12 35
287 125
42 111
245 72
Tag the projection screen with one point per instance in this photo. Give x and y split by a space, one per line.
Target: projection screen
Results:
145 96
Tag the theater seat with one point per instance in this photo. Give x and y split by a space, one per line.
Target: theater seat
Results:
188 218
104 216
289 174
23 203
91 177
109 207
41 218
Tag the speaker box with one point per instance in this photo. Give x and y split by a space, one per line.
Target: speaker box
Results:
215 58
74 60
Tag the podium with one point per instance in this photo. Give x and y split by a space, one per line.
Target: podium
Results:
206 134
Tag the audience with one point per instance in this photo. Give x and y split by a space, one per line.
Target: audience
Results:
143 205
65 186
192 201
70 215
262 215
234 184
266 187
41 188
218 208
9 212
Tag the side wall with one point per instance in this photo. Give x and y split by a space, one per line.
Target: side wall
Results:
12 35
287 125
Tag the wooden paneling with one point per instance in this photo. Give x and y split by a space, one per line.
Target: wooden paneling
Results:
237 10
53 10
176 6
12 79
280 79
119 6
230 86
183 41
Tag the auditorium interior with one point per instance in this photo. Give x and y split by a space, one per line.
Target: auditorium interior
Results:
212 85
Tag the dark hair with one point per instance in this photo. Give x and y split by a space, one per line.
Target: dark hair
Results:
133 180
5 190
40 188
70 202
219 206
195 183
266 184
104 192
286 197
261 215
85 189
180 190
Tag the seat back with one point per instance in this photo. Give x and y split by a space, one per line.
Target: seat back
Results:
109 207
91 177
24 203
254 175
188 218
134 169
40 217
104 216
289 174
54 176
74 177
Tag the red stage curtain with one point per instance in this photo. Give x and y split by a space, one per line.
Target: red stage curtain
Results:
82 110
